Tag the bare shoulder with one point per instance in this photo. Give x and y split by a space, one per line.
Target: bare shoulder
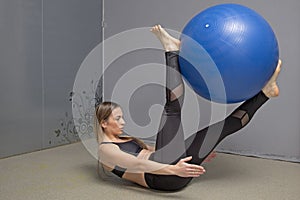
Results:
108 154
108 147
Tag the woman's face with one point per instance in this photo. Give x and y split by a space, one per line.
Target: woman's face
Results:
115 123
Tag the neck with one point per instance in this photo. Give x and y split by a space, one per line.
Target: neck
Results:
110 137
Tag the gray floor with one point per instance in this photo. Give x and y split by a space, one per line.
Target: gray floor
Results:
68 172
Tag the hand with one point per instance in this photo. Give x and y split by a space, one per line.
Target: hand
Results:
184 169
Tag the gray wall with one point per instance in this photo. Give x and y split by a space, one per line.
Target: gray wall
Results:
42 46
274 132
44 42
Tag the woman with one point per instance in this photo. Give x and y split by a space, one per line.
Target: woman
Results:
173 162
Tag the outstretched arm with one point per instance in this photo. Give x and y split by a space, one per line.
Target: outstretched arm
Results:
111 155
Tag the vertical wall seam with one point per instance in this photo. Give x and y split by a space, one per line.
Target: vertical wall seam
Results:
43 82
102 41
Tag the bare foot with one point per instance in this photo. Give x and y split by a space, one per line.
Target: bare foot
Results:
271 88
169 43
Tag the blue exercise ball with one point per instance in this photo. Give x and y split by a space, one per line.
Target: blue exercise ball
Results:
228 53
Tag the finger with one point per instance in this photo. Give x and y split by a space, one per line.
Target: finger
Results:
187 159
196 171
200 170
195 174
196 167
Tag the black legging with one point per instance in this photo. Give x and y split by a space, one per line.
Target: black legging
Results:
170 143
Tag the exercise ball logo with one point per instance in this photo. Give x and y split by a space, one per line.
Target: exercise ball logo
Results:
90 88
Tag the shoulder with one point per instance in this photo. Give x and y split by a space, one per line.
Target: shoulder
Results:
107 147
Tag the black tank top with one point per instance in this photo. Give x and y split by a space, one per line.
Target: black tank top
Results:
131 147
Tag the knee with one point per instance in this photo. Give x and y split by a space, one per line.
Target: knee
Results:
242 116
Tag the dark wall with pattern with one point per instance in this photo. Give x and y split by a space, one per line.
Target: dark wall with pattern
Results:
43 44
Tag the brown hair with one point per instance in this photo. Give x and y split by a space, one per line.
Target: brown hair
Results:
103 111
